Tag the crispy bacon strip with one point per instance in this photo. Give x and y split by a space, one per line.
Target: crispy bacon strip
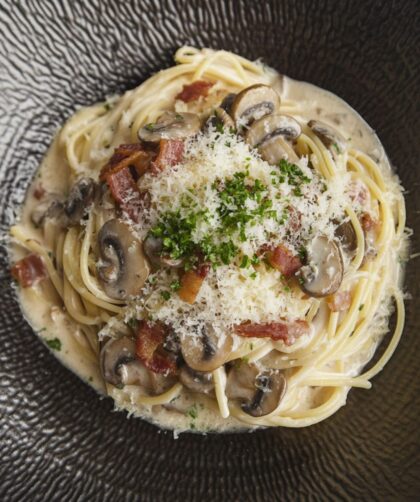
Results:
191 92
282 330
283 260
29 270
125 192
340 301
170 154
128 155
191 283
367 222
128 162
39 192
149 341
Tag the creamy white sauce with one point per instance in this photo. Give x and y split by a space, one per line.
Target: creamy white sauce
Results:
49 321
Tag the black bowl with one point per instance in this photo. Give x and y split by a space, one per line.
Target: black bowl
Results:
59 440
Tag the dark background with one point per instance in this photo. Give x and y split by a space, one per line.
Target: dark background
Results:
59 440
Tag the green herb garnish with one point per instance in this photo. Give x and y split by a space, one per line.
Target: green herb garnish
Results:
53 343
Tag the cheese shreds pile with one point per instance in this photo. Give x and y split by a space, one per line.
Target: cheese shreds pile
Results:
299 208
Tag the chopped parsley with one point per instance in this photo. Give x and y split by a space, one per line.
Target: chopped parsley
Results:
53 343
149 127
165 295
291 173
192 412
336 148
175 285
361 306
132 323
236 196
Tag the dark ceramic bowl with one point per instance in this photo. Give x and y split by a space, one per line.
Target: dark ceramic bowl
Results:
59 440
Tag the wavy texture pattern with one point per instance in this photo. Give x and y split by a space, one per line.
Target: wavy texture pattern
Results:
59 441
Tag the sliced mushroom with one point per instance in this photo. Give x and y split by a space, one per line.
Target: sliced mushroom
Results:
170 125
271 126
272 135
119 366
115 353
203 352
123 268
197 381
347 236
276 149
228 102
220 118
331 138
51 207
323 273
259 392
81 196
153 249
253 103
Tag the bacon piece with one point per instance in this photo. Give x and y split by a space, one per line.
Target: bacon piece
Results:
125 192
170 154
39 192
29 270
367 222
282 330
283 260
149 348
191 283
191 92
126 155
340 301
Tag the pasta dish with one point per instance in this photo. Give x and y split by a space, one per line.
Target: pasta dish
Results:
218 248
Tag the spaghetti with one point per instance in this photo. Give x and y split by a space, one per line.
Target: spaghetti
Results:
222 251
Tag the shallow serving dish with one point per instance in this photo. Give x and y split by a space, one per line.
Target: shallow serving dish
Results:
59 441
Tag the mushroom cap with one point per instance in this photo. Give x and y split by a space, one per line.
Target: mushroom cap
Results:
153 248
170 125
115 353
328 135
197 381
119 366
203 351
323 273
347 236
271 126
253 103
123 268
220 117
81 196
259 392
276 149
228 102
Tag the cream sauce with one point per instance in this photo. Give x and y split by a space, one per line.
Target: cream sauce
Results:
305 102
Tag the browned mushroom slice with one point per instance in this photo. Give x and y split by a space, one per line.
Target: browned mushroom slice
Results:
122 268
273 135
197 381
220 119
115 353
323 273
276 149
347 236
253 103
119 367
228 102
331 138
153 249
81 196
170 125
258 392
203 351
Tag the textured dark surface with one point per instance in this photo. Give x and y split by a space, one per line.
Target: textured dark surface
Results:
58 440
